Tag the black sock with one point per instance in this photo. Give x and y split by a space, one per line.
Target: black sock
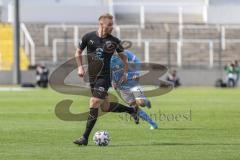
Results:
92 118
118 107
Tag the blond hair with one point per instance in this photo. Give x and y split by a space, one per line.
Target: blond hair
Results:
104 16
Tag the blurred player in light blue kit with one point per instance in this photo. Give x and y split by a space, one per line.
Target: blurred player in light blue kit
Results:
130 91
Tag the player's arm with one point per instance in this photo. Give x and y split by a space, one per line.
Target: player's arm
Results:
136 76
78 56
137 64
120 51
114 81
125 62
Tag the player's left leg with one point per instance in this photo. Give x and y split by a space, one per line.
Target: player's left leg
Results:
118 107
143 101
130 99
140 98
143 115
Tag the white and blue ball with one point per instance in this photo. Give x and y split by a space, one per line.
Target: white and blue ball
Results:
101 138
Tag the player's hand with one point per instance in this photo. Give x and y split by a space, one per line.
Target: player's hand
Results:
81 71
114 85
136 78
123 78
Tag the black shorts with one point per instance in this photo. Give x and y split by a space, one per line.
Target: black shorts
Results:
100 85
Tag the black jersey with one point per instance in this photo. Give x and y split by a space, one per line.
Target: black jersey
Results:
100 51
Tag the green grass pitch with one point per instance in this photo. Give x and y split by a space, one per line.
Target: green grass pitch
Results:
206 126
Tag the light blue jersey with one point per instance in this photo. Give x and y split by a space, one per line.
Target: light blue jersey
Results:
117 70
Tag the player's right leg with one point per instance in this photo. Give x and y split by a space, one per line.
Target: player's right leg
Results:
92 118
99 93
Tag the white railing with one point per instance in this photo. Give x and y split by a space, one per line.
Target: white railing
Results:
147 47
142 8
142 16
64 27
211 54
27 42
179 53
180 41
54 49
118 30
179 48
111 9
76 30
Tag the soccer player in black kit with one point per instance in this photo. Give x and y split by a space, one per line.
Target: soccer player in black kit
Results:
100 47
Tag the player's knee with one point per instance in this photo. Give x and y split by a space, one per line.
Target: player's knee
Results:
95 102
140 102
132 103
105 108
105 105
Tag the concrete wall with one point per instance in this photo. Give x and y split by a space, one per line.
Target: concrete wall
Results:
224 11
1 9
223 2
82 11
230 16
188 77
6 77
198 77
59 11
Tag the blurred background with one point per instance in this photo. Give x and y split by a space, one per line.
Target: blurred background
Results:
197 39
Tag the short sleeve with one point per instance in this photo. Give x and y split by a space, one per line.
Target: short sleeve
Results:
82 45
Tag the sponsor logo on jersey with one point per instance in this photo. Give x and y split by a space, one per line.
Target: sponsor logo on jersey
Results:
91 42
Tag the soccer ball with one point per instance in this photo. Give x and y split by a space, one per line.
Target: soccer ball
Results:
101 138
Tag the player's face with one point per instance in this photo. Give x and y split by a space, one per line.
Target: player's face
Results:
107 26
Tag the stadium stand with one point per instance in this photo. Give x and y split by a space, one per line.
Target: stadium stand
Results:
6 49
193 41
195 48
